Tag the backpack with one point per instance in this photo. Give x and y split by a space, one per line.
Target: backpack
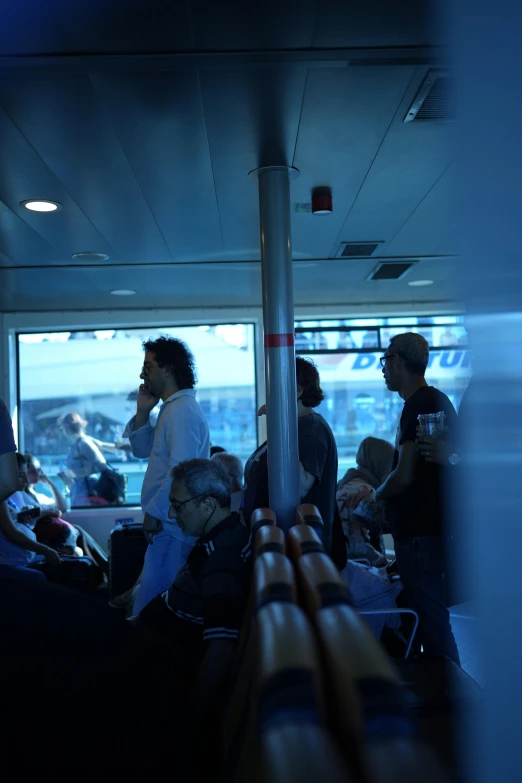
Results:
112 486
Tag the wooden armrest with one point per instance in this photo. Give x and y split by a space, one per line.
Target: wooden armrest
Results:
285 641
269 538
358 668
298 752
274 579
308 514
301 540
322 583
260 517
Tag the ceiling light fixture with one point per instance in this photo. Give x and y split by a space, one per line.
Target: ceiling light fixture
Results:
420 283
41 205
89 255
123 292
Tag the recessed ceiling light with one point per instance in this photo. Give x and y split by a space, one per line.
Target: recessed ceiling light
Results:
123 292
90 256
420 283
41 206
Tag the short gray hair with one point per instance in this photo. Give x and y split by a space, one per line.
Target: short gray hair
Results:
204 477
231 463
414 349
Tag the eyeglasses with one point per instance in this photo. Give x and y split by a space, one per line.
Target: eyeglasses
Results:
175 505
146 368
384 359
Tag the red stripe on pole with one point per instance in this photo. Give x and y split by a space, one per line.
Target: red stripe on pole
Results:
279 340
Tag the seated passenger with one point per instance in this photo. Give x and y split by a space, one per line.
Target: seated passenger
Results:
234 468
374 460
19 548
50 528
202 612
54 531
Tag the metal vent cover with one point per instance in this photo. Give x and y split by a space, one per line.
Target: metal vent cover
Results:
433 100
358 249
391 270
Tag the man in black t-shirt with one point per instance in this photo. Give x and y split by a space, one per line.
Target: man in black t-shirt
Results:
317 463
414 495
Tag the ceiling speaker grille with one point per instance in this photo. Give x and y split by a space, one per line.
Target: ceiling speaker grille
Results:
394 270
433 101
358 249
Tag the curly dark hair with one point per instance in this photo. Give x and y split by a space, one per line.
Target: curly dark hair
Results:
174 353
308 379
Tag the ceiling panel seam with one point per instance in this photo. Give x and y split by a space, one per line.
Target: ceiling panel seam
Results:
300 116
29 143
113 129
421 202
190 23
221 262
333 250
85 63
344 307
200 90
316 21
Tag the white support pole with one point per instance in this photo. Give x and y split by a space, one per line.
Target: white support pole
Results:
278 317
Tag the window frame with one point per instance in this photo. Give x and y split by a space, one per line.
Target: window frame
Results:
16 333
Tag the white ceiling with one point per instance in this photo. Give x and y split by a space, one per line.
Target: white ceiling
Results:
144 126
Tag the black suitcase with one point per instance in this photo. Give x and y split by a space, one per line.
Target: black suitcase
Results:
77 573
127 547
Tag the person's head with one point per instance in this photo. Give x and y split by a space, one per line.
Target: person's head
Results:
375 456
168 367
405 360
216 450
199 495
309 392
72 425
233 466
22 470
33 469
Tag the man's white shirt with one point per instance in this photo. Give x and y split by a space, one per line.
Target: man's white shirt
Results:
181 433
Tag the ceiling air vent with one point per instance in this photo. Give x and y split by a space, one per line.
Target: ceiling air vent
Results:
432 102
391 270
358 249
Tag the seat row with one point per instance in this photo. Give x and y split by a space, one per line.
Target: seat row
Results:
314 696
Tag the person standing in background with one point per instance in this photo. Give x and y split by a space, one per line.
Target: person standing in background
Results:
8 465
414 495
84 459
317 463
234 468
181 433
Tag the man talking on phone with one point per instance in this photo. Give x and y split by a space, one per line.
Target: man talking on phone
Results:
181 433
